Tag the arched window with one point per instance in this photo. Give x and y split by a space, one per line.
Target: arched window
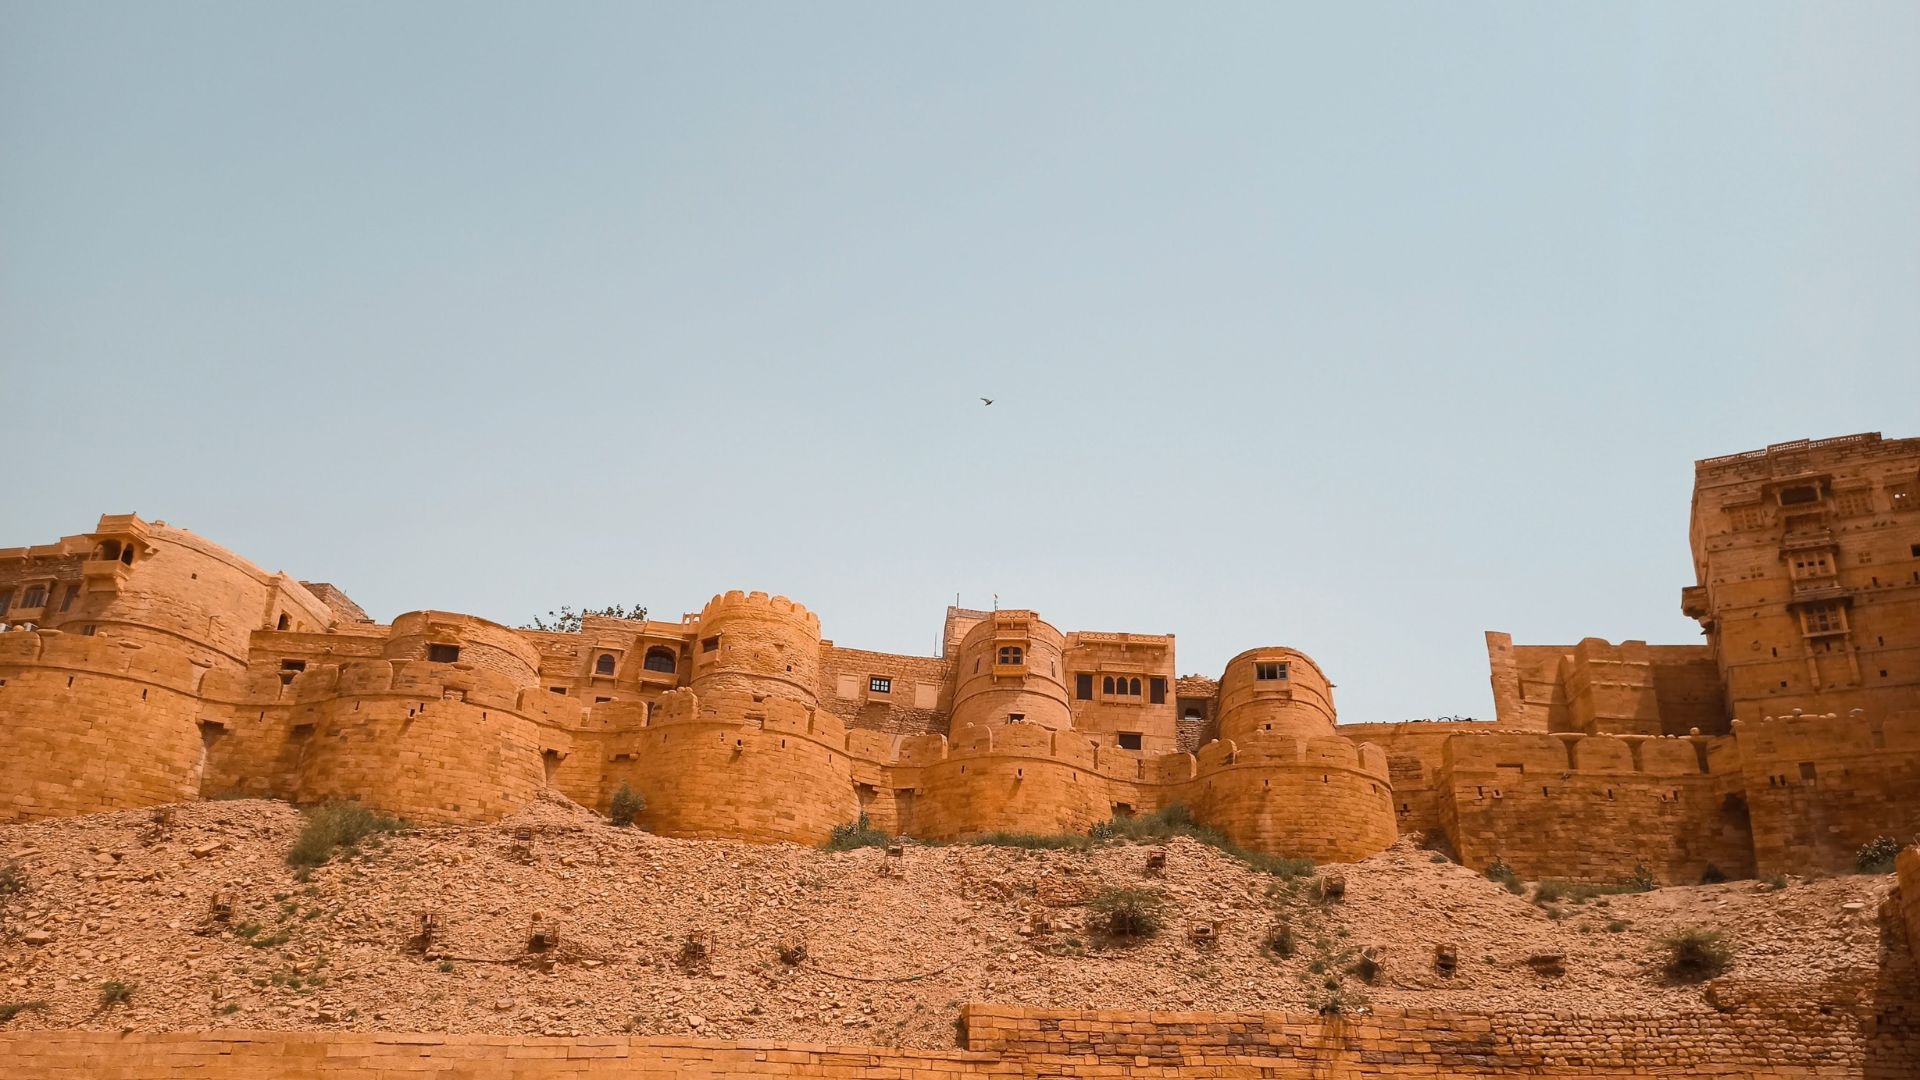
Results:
1106 685
1133 688
1010 654
659 658
604 665
126 556
282 624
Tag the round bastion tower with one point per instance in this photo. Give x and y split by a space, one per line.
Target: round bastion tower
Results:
1008 671
767 646
1274 689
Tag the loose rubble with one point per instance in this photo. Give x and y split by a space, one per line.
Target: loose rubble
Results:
801 945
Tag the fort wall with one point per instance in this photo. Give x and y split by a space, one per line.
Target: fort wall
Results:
758 644
90 724
1414 752
724 765
1819 787
1766 1038
1009 665
1593 807
1320 798
1275 690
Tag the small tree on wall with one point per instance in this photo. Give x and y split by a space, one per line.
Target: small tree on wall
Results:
568 621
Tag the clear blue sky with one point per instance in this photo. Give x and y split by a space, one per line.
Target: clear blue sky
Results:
1359 328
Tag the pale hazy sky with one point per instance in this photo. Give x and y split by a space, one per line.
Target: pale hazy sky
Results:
1361 328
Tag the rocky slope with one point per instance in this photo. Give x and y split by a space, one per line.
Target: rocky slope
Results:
888 955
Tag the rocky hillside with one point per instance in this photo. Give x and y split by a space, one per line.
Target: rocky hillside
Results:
201 924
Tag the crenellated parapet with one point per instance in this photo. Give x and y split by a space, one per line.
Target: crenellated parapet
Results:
1321 797
95 723
1595 807
758 644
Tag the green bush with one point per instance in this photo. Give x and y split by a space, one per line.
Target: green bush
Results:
855 834
1641 880
114 992
626 806
1877 855
339 826
13 880
1777 882
1694 954
11 1009
1548 892
1128 913
1499 871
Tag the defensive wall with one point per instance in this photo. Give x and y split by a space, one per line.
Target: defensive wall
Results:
1906 899
1843 1036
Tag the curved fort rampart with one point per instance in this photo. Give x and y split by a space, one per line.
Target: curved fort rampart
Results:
140 664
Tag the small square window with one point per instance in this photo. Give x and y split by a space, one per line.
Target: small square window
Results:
443 654
1129 740
601 700
879 684
561 690
711 644
293 665
1270 670
1016 718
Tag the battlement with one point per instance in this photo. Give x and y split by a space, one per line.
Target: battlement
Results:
736 600
102 655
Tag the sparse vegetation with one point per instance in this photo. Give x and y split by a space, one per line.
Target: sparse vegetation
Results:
626 806
1165 824
1499 871
1641 880
1615 926
114 992
1128 913
1776 882
11 1009
446 967
1695 954
1552 892
13 880
568 621
1877 855
855 834
1036 841
337 827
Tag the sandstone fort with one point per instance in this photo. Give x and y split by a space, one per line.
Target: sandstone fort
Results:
142 665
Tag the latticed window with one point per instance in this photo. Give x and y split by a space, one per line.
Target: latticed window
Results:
1749 516
879 684
1824 619
1012 654
1812 564
1853 503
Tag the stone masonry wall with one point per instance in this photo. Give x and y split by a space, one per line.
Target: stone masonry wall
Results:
1819 787
1593 807
89 724
1765 1041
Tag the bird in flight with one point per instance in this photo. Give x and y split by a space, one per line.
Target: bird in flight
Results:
986 401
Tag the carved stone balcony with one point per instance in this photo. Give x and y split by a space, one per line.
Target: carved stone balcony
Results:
1693 602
